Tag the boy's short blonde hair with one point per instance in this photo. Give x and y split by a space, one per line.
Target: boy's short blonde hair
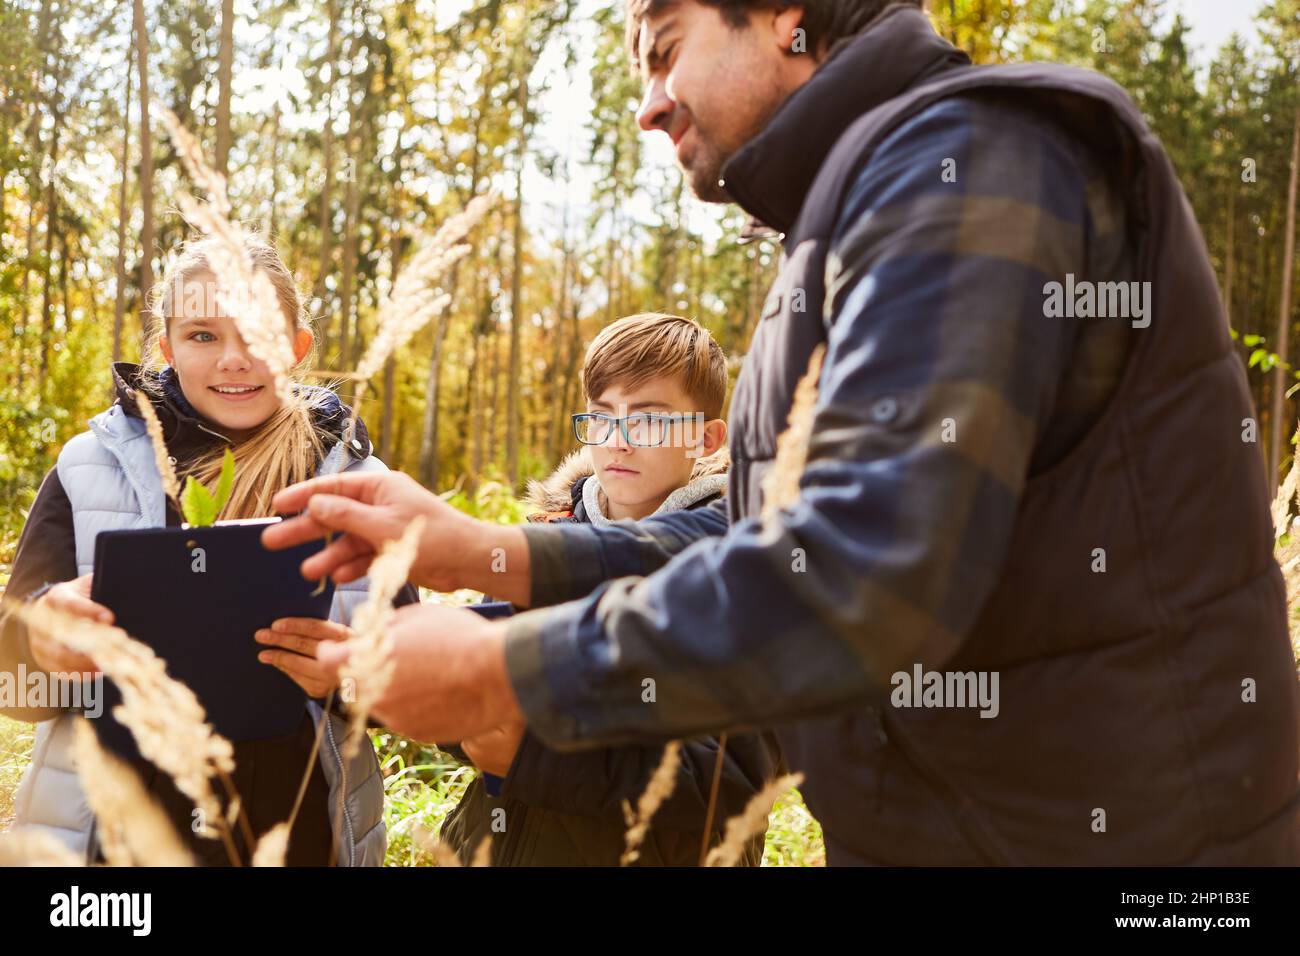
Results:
635 349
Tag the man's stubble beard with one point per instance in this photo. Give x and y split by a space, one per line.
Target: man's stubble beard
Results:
705 173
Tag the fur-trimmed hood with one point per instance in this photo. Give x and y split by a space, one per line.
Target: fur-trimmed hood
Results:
555 493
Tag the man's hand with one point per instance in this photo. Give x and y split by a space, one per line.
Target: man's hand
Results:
449 677
70 597
300 637
495 750
366 509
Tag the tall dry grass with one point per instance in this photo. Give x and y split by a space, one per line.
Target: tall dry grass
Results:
781 483
369 667
167 721
414 300
132 828
660 787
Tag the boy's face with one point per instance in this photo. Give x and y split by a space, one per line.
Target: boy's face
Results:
636 480
216 371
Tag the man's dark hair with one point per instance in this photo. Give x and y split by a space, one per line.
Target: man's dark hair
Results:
824 21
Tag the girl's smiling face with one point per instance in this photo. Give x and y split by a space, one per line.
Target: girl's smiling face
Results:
218 374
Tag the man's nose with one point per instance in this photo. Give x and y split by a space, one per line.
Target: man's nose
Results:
656 107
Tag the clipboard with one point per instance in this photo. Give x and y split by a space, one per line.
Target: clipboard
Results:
196 596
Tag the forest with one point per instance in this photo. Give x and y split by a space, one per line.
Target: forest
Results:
349 130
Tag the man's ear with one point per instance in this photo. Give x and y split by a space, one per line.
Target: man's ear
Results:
302 344
788 27
165 347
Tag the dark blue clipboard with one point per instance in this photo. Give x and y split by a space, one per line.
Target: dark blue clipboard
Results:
196 596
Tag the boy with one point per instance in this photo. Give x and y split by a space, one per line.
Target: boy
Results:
653 442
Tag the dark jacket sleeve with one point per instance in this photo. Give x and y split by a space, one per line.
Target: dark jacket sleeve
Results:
570 560
595 783
47 554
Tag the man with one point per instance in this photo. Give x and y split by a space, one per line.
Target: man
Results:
1030 466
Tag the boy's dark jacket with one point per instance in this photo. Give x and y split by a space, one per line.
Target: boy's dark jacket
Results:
566 809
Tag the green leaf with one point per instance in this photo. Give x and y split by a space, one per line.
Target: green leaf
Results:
197 505
1250 341
225 483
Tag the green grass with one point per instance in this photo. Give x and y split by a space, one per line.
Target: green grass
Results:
422 786
15 753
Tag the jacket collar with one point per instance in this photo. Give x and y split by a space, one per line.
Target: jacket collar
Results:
771 174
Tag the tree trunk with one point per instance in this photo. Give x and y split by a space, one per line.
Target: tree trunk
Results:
352 203
494 394
33 141
51 229
146 172
119 266
516 325
1281 373
225 62
428 461
432 391
390 366
275 172
1230 254
395 269
325 219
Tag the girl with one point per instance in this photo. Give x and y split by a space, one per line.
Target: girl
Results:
211 395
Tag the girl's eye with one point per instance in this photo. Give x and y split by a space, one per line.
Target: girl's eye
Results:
210 337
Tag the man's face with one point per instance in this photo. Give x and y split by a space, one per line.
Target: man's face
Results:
712 86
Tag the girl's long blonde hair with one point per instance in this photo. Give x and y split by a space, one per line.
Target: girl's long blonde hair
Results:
288 446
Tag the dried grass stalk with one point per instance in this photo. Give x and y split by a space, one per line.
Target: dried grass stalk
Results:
132 828
245 293
751 821
413 300
196 166
1286 494
433 846
166 719
28 847
166 470
660 788
369 666
781 483
273 846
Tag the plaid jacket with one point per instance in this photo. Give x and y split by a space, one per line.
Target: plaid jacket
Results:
973 446
935 306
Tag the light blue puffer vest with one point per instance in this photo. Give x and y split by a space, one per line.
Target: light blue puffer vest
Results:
112 482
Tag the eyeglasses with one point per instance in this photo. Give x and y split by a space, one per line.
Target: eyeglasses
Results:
643 429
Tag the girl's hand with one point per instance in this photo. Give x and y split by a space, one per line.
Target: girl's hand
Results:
300 637
494 751
70 597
